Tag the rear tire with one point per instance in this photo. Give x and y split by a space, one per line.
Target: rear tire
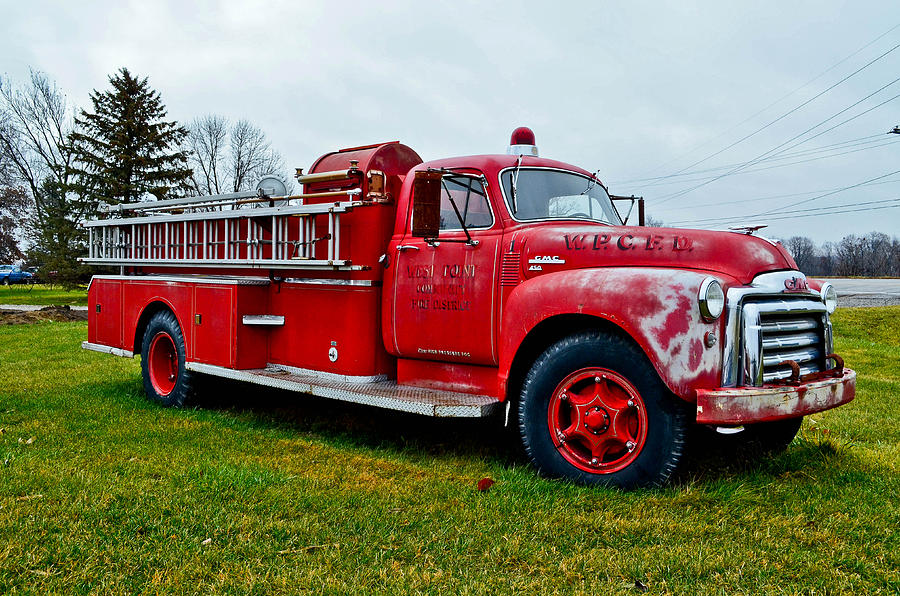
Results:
166 380
594 411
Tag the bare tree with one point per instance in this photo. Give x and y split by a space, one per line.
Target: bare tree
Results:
230 157
804 252
252 156
876 248
207 142
849 256
35 123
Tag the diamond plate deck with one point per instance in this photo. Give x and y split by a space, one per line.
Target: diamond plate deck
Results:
382 394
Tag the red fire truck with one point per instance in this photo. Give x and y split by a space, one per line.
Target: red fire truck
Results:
505 285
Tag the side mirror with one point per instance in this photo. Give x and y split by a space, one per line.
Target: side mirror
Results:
426 204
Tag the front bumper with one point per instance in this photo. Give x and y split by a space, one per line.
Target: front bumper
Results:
746 405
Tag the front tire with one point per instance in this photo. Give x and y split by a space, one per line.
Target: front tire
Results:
594 411
769 437
166 380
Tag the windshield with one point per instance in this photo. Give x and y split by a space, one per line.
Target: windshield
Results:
554 194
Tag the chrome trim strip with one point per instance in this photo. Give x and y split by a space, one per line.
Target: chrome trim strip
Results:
382 394
327 376
751 352
798 340
333 282
106 349
342 265
798 356
189 278
263 320
785 373
789 326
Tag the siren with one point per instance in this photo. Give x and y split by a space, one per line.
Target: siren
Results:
522 142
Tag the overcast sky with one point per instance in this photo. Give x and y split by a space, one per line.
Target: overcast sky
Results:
631 89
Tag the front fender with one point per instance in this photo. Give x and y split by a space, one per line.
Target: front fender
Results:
658 308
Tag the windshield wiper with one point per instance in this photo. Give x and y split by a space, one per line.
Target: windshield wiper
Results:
459 216
591 182
515 180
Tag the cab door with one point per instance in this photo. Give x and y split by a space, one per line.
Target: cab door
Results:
445 291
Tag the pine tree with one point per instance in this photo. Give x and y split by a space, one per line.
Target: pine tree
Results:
125 149
58 240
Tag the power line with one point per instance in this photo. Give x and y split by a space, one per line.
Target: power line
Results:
795 137
871 145
837 212
864 112
777 101
791 111
842 144
768 198
726 220
821 196
803 202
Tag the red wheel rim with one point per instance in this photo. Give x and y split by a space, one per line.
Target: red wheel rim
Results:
163 363
597 420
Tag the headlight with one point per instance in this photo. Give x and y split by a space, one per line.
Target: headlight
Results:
712 299
829 297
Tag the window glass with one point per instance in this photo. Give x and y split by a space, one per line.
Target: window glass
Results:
553 194
471 200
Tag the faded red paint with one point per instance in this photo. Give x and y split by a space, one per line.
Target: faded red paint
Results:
765 404
639 301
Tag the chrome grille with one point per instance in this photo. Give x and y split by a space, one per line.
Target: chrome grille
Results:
781 329
800 339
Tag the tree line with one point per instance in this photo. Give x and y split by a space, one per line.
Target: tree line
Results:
59 163
872 255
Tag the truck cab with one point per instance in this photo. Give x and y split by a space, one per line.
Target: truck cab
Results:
505 285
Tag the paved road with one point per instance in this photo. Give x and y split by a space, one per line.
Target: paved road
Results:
30 307
866 292
866 286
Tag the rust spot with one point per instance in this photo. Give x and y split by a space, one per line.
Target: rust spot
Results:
696 354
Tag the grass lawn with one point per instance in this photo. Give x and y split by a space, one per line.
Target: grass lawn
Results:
42 294
265 492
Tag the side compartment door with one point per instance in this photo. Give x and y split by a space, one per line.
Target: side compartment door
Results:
213 315
445 292
107 316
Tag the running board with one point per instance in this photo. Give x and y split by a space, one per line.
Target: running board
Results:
381 394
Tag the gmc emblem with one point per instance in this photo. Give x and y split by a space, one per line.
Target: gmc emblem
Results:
796 284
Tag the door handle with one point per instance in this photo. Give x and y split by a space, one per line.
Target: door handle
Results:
402 247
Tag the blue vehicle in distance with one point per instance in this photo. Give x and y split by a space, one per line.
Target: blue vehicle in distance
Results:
13 274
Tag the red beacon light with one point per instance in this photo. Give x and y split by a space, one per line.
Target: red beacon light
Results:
522 142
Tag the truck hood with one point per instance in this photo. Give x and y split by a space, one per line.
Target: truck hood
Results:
559 246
